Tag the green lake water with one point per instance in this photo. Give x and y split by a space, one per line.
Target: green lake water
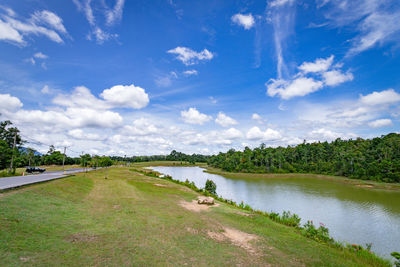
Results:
353 214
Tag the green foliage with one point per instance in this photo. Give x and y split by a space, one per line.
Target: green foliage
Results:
105 162
287 218
396 255
7 134
211 187
320 234
369 159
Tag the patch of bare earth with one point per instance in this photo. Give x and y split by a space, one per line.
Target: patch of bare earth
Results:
194 206
236 237
81 238
244 214
160 185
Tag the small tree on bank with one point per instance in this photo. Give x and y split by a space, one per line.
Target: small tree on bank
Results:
211 187
105 162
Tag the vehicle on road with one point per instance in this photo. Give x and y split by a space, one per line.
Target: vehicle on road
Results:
35 169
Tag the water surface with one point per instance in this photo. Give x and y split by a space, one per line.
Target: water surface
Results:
352 214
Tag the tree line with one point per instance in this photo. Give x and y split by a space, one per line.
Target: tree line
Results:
173 156
13 148
369 159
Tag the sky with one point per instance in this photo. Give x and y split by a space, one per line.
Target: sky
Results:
120 77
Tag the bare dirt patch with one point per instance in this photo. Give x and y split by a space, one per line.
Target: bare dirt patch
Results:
244 214
160 185
236 237
24 259
81 238
194 206
365 185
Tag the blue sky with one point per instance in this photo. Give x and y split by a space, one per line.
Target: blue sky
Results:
144 77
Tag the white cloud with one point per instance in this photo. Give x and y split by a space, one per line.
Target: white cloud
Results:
324 134
40 55
190 57
46 90
9 103
335 77
245 20
190 72
319 65
193 116
80 134
80 97
256 117
224 120
268 135
115 14
380 123
8 33
128 96
381 98
299 87
232 134
13 30
373 21
49 19
278 3
312 77
141 126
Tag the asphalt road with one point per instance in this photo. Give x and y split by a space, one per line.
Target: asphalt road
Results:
15 181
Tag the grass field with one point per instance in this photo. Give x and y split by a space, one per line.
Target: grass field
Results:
134 220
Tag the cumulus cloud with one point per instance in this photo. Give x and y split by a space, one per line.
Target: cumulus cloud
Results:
312 77
141 126
45 23
224 120
191 72
268 135
385 97
256 117
128 96
193 116
319 65
335 77
298 87
9 103
40 55
244 20
189 57
380 123
82 135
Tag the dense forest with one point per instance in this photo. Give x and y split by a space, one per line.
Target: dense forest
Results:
370 159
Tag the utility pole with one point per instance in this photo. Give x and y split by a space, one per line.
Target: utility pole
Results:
12 157
65 148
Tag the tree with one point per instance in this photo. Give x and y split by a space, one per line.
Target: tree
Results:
9 135
105 162
211 187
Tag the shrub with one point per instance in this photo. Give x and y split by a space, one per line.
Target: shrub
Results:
320 234
211 187
396 255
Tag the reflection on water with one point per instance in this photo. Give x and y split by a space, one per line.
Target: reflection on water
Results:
352 214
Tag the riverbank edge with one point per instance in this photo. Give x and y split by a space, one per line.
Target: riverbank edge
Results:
367 184
357 249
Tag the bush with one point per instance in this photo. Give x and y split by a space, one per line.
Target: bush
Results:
320 234
211 187
396 255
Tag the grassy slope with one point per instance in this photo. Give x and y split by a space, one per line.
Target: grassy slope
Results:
127 220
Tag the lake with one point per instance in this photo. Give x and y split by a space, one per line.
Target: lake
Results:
352 214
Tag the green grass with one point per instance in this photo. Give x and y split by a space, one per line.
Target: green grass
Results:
127 220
